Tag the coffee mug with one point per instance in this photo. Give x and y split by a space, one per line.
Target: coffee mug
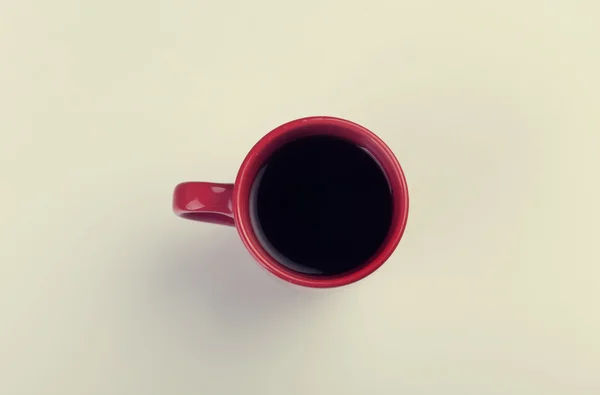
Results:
319 202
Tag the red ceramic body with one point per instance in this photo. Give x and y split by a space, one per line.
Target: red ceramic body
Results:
228 204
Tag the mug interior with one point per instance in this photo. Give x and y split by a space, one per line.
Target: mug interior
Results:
326 126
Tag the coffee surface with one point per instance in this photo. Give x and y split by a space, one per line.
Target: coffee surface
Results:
321 205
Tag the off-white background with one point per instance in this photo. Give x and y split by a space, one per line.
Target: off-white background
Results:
491 107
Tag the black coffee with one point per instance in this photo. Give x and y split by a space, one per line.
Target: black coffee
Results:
321 205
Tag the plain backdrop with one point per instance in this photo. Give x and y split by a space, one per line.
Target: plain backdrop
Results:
492 108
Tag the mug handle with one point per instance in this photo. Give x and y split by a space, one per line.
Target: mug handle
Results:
205 202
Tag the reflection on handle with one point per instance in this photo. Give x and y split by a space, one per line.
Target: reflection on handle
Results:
204 201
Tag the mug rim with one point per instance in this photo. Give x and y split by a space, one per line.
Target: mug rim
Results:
302 127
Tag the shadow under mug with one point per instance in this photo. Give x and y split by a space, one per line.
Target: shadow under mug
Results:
229 204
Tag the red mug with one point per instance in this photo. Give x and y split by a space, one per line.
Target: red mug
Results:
229 204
